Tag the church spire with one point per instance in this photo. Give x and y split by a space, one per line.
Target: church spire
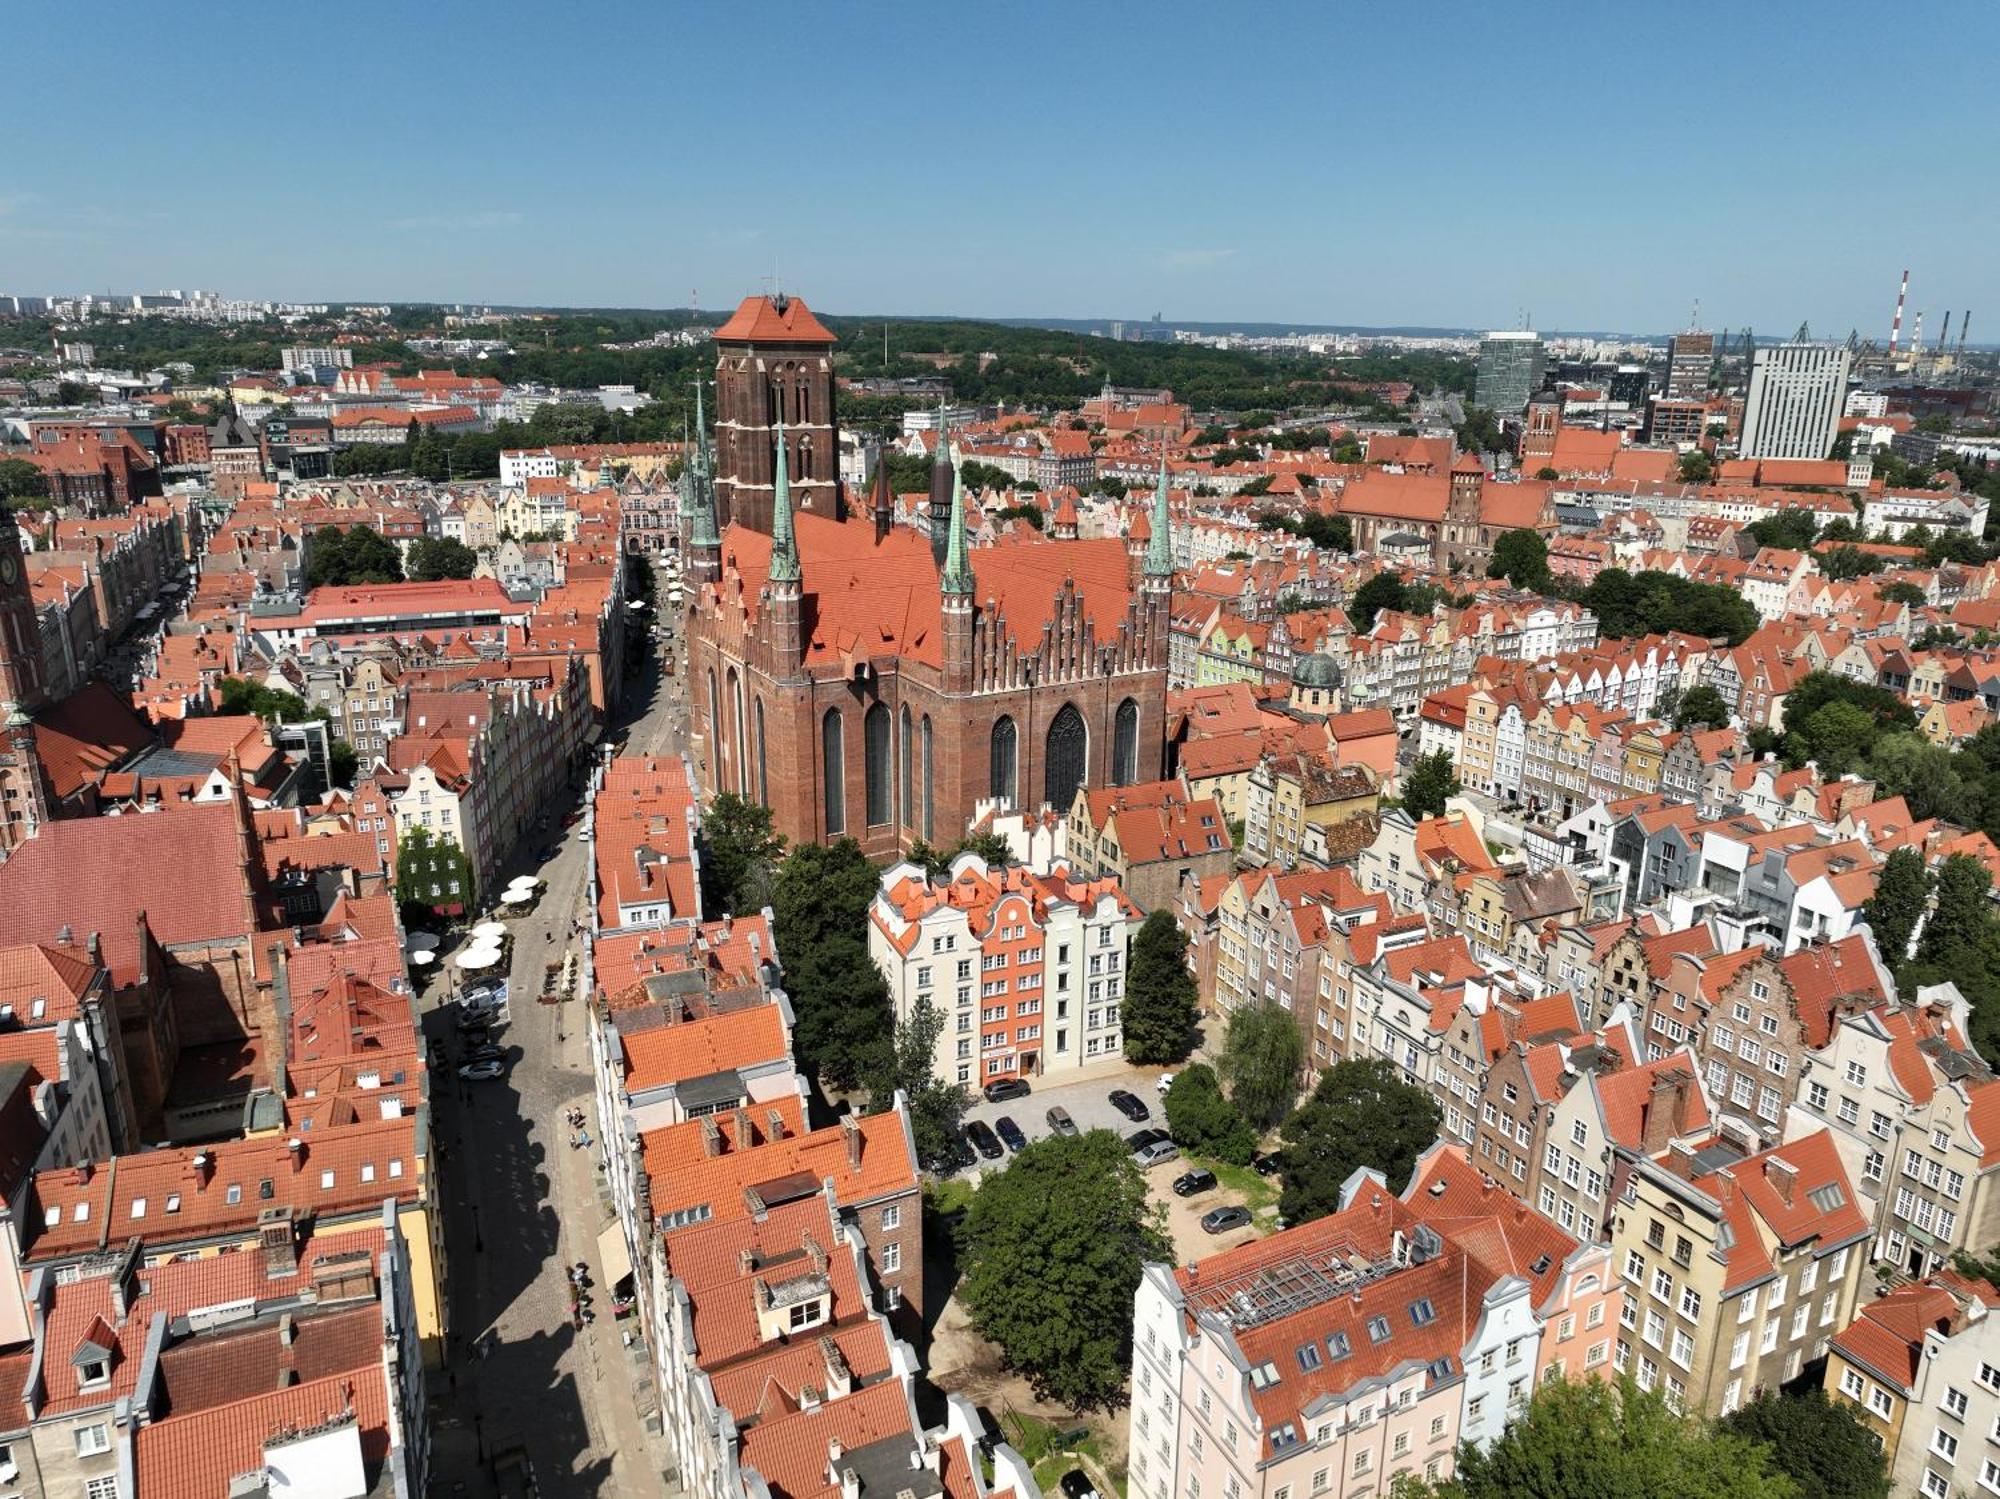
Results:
1160 545
943 476
699 493
784 546
957 575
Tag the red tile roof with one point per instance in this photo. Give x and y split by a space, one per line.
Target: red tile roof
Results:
777 320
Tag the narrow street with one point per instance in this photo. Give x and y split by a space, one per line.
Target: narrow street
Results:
521 1206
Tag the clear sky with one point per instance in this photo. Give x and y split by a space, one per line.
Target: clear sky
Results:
1442 163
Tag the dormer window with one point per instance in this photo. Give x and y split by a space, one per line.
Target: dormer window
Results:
96 1372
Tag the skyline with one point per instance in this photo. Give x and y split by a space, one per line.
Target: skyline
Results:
1044 165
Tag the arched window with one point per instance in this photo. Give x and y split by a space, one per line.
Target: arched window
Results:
805 458
714 715
875 743
763 781
834 794
929 780
1000 778
1125 744
740 741
906 755
1065 758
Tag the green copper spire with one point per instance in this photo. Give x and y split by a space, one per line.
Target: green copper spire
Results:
698 486
957 575
784 547
1160 545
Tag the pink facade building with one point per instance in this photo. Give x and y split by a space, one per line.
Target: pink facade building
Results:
1331 1358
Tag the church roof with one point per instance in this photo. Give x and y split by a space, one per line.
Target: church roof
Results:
866 598
777 320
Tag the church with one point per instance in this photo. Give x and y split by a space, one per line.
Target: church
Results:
880 681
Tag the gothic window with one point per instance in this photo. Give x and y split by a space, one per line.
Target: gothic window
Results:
835 792
1125 744
1065 758
908 811
929 779
763 781
875 741
1000 780
714 715
739 741
805 458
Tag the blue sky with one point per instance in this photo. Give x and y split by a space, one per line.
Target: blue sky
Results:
1437 164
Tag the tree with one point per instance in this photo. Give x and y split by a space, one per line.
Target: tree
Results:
1900 592
1432 781
1820 1443
21 481
1262 1053
739 855
819 908
359 554
1701 707
1846 561
1902 890
1522 558
1054 1249
1792 528
1926 776
432 870
1834 738
1361 1114
341 763
1591 1439
990 846
1696 467
1160 995
1203 1122
272 704
1383 591
1960 921
433 557
909 1064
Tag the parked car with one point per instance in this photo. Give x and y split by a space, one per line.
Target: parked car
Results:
1265 1163
1221 1220
1059 1121
1190 1182
1157 1152
1130 1105
1001 1089
1164 1081
484 1071
548 853
1139 1139
983 1140
475 1025
1076 1486
1010 1133
488 1053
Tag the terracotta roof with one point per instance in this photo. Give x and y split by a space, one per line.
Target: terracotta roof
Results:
777 320
196 1456
676 1053
685 1176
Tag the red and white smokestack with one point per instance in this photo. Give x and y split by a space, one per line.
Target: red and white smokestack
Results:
1896 328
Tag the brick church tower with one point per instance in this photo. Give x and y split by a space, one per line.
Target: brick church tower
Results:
24 795
773 374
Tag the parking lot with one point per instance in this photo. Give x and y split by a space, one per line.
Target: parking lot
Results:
1089 1104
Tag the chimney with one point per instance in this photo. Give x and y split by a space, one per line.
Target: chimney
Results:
740 1122
1666 1107
288 1330
835 1451
296 1149
203 1169
850 1131
1680 1160
1782 1176
711 1136
774 1124
746 1260
850 1485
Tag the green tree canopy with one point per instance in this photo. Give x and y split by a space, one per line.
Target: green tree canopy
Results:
1522 558
434 557
1362 1113
1902 890
1701 707
1205 1123
909 1063
359 554
1054 1249
1383 591
272 704
1262 1052
1833 737
740 853
1593 1440
1628 604
1819 1443
1432 782
1160 995
21 482
819 906
1696 467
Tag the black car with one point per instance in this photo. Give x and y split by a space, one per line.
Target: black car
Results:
1059 1121
1221 1220
1130 1105
1076 1486
1003 1088
1139 1139
486 1054
983 1139
1010 1133
1265 1163
1190 1182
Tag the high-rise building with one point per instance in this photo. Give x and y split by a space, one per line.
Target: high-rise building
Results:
1796 391
1689 357
1510 370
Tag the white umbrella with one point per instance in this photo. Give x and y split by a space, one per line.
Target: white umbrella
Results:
477 957
490 931
526 882
423 956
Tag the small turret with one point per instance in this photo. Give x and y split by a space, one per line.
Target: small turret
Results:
943 474
784 546
1160 544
